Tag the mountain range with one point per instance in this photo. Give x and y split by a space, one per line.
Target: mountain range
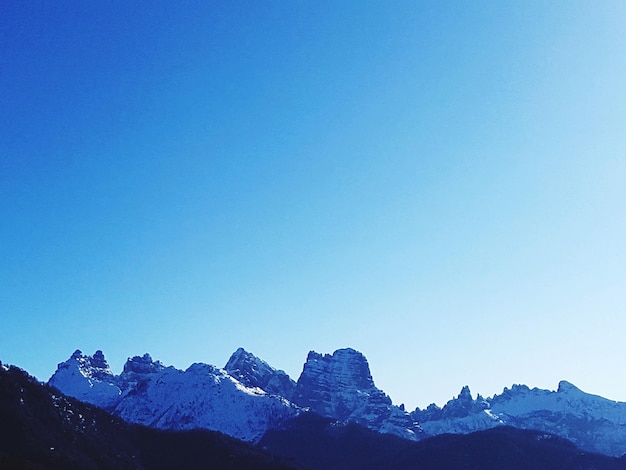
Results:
248 398
41 428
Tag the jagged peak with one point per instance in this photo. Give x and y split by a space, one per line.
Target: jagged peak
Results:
565 386
253 372
240 352
142 365
465 394
340 385
98 360
95 366
241 357
515 389
314 356
347 365
338 355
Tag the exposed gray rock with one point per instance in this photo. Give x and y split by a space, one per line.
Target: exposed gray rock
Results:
340 386
254 372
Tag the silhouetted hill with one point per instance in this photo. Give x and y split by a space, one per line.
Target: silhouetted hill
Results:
42 429
319 443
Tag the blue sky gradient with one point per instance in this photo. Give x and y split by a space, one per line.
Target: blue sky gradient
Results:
440 185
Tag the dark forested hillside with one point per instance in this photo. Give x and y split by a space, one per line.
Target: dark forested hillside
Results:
320 443
41 429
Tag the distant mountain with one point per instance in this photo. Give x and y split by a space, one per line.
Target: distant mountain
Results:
340 386
43 429
591 422
249 397
146 392
318 443
256 373
89 379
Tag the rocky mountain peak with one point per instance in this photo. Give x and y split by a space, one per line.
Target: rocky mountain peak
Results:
95 366
340 386
346 368
148 393
142 365
457 408
567 387
254 372
249 397
98 360
88 378
465 394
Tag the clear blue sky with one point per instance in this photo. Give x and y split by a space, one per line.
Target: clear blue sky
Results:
440 185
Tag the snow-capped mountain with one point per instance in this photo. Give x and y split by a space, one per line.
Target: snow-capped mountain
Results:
249 397
591 422
43 429
148 393
40 428
340 386
254 372
202 397
89 379
244 399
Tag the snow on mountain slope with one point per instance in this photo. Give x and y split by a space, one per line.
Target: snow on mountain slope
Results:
89 379
340 386
151 394
249 397
593 423
254 372
202 397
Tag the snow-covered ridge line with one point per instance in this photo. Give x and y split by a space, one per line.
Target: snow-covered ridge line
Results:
248 397
148 393
591 422
244 399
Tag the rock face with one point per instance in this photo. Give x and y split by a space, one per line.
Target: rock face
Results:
340 386
591 422
254 372
149 393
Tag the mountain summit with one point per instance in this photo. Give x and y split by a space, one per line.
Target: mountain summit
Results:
256 373
340 386
87 378
591 422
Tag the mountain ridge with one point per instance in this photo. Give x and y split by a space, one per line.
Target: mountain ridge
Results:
41 428
248 397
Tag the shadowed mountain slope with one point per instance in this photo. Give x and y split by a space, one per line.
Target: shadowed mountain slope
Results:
40 429
316 442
